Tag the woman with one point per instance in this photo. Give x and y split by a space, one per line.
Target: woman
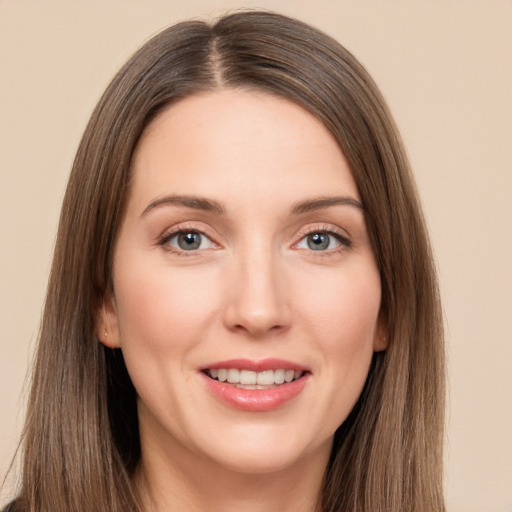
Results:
242 309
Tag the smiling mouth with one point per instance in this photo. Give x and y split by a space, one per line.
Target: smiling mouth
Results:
248 379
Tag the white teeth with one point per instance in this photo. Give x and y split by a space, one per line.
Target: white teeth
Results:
249 379
279 376
233 375
265 378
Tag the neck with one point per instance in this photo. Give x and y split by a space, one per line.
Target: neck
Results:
172 481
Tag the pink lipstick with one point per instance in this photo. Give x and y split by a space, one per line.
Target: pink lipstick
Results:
255 385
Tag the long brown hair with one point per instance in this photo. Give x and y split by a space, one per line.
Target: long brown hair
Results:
80 442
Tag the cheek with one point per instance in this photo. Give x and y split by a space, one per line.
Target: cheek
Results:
343 319
344 306
162 309
163 315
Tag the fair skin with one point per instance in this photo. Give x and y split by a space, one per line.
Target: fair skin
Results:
243 247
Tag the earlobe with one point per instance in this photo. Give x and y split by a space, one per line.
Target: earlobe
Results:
381 338
381 343
106 324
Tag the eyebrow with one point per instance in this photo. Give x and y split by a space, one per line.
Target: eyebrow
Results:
194 202
210 205
311 205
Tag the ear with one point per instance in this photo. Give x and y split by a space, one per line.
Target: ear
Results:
106 322
381 336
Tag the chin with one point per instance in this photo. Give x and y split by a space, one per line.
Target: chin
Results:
266 452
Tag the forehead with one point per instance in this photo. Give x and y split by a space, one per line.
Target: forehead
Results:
259 144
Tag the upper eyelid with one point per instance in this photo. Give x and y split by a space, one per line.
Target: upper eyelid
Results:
342 236
184 228
324 228
168 235
173 234
213 236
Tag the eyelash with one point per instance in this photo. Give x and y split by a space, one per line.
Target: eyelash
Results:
169 235
345 242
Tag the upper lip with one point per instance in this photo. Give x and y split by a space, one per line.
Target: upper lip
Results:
256 365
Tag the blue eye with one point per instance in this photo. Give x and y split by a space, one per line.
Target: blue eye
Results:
320 241
189 241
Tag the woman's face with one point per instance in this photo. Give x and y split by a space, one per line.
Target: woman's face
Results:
246 294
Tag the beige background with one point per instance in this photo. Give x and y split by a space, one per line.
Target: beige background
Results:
445 68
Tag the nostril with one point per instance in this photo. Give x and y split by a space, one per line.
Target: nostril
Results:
259 329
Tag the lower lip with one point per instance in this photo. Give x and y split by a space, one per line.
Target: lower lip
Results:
255 400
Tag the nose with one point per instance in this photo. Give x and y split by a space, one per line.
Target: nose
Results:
257 301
